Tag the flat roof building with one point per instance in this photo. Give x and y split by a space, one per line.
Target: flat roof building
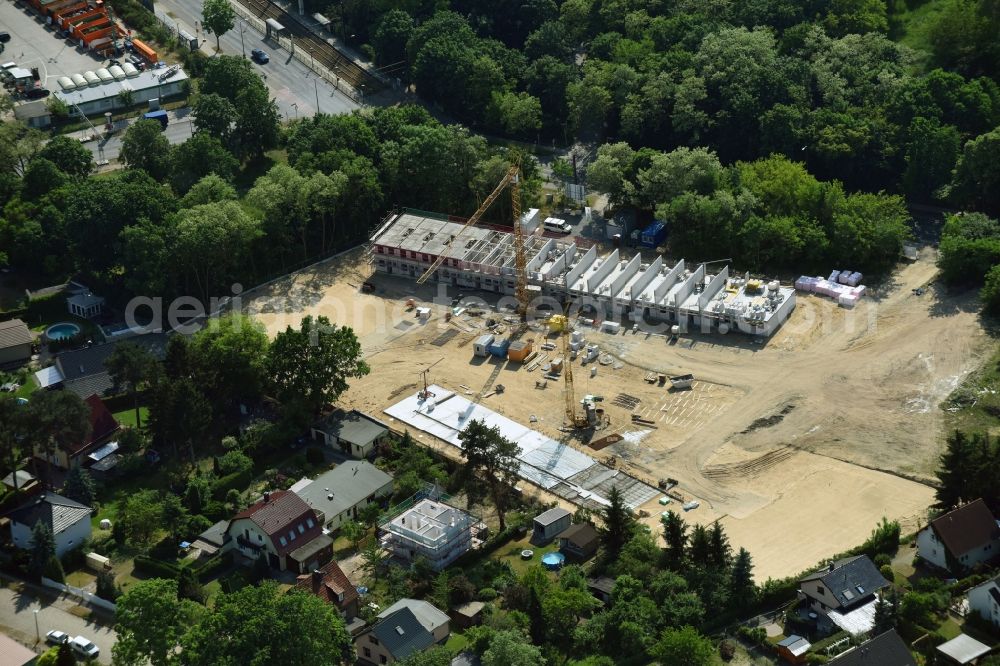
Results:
482 257
430 528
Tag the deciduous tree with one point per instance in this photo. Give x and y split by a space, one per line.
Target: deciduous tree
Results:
145 147
218 17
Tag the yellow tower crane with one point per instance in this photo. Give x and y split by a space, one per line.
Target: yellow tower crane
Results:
511 179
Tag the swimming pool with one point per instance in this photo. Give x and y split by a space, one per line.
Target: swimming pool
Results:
62 331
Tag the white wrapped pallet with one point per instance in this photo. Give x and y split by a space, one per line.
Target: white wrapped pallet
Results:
833 276
843 277
859 291
847 300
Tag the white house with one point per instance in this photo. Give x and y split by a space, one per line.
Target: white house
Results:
985 600
283 530
430 529
68 520
338 495
844 594
961 538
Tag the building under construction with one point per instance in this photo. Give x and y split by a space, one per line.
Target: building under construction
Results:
483 257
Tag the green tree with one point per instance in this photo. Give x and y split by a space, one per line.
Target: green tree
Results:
79 486
71 156
65 656
508 648
930 158
675 536
976 182
131 368
149 622
619 524
257 120
43 548
214 115
213 245
200 156
56 419
145 147
435 656
41 178
309 367
106 586
684 647
179 416
990 293
562 610
228 358
258 621
392 32
885 615
139 518
173 514
353 531
743 590
218 17
209 190
493 460
518 114
12 417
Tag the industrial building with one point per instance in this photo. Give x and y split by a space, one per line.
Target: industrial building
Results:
101 90
482 257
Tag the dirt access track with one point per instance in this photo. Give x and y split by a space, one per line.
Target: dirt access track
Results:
799 444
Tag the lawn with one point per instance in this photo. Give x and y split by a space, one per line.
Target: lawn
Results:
456 643
126 417
512 553
975 405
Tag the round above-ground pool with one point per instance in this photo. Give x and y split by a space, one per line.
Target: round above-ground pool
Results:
527 554
62 331
553 560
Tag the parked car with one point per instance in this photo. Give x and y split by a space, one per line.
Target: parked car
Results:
84 648
4 37
37 93
56 637
259 56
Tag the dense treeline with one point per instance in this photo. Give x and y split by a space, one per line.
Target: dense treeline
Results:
770 214
970 255
819 81
191 219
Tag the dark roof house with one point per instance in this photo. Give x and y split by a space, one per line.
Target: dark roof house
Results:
402 634
353 431
886 649
279 512
579 540
68 520
848 581
82 371
961 538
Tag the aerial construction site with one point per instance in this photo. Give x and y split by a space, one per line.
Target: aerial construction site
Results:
817 422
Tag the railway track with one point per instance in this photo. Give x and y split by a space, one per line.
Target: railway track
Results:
325 54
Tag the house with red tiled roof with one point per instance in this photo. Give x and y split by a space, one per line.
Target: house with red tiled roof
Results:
960 539
330 584
284 530
102 426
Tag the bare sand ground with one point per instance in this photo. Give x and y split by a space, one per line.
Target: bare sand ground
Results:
797 443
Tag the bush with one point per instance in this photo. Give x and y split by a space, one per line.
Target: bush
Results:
727 650
884 539
106 588
54 570
208 570
887 572
882 559
239 480
156 568
314 455
487 594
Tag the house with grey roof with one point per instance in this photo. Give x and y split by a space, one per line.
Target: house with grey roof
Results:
353 432
83 372
886 649
68 520
844 594
962 649
339 494
15 343
960 539
395 637
430 617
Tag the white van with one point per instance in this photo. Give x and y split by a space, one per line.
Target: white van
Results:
557 225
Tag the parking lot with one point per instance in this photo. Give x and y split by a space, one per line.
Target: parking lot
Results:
35 45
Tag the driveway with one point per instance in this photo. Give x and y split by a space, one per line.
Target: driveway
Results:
17 618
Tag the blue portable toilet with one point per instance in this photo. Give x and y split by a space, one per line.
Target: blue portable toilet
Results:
499 348
654 234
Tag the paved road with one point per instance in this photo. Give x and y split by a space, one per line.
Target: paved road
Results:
295 88
17 618
178 130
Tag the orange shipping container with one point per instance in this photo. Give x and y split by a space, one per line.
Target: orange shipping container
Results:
146 52
519 350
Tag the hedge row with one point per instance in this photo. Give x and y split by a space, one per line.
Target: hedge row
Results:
153 567
238 480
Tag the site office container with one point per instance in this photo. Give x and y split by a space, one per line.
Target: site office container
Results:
83 28
145 51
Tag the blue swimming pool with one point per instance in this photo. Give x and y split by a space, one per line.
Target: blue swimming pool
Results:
553 560
62 331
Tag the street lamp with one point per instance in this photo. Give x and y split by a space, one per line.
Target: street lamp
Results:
242 45
38 634
312 58
316 88
296 107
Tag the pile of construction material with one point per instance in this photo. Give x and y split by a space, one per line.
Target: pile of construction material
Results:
844 286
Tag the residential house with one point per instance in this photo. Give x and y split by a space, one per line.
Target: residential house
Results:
886 649
82 371
85 305
578 541
430 617
68 520
985 600
963 649
844 594
21 480
431 529
961 538
550 523
15 343
393 638
793 649
354 432
337 495
212 540
330 584
284 530
102 426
